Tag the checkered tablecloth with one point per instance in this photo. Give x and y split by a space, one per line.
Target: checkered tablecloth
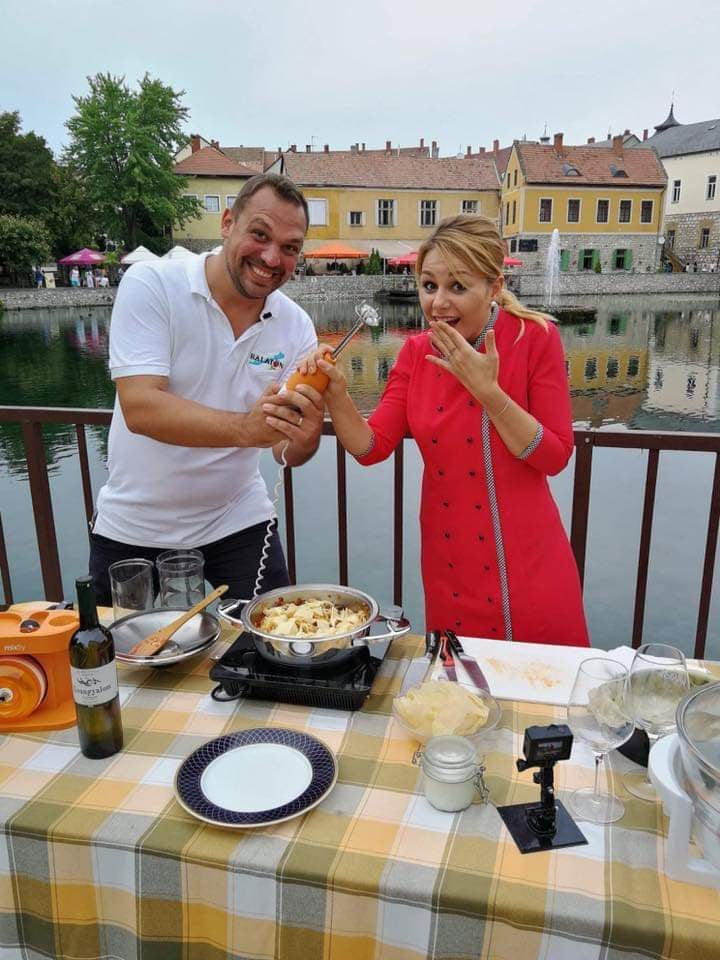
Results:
98 860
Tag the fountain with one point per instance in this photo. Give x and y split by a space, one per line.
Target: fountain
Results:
552 272
551 289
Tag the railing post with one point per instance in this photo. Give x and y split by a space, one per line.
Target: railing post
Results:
398 524
709 564
581 501
42 510
644 551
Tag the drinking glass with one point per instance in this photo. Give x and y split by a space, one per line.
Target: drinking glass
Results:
597 714
657 682
131 586
182 581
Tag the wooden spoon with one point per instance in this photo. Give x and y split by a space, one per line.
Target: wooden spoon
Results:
157 640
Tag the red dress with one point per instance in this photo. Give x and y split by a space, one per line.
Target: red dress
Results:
496 561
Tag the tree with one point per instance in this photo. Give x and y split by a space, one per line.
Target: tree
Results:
72 221
374 262
26 170
124 143
24 243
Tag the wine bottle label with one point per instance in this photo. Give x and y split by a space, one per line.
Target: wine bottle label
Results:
91 687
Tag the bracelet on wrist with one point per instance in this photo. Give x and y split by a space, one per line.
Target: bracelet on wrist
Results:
501 411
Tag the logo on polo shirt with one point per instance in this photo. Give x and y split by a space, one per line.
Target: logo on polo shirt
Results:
275 362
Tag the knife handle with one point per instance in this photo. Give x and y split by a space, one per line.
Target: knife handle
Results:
432 641
454 642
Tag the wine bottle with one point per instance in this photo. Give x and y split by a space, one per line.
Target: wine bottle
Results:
94 679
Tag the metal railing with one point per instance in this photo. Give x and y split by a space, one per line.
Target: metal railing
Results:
31 420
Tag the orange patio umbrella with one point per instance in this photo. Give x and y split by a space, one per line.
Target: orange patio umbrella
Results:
334 250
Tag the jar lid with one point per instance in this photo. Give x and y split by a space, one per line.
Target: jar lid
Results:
450 758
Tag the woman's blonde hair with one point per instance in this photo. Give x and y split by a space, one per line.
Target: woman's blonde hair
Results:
471 245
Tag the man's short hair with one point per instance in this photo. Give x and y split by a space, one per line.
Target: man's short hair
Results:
283 187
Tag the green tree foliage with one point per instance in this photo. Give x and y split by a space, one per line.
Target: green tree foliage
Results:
72 221
374 265
24 243
26 170
123 143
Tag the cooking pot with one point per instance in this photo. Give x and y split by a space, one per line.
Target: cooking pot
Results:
312 651
698 726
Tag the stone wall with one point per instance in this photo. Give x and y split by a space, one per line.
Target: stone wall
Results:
645 250
357 288
687 229
589 283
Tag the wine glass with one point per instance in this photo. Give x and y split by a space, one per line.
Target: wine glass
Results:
658 680
597 714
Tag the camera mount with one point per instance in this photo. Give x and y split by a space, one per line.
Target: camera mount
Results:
545 825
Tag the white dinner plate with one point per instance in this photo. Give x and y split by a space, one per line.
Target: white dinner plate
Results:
256 777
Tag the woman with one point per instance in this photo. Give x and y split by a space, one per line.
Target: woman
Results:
484 393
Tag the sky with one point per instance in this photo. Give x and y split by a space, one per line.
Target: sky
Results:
461 72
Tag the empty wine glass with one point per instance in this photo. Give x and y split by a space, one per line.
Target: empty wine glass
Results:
657 682
598 715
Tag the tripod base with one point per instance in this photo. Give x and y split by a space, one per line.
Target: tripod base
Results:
516 820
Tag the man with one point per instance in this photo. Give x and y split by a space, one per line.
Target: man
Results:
198 350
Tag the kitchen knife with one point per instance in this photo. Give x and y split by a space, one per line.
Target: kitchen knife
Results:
447 659
471 665
416 672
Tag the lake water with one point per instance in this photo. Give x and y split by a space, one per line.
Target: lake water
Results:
646 363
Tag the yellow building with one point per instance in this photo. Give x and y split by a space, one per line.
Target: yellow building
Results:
605 201
390 203
215 180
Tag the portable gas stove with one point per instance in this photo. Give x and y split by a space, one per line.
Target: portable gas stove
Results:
341 684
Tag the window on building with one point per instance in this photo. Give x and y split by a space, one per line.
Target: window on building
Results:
191 196
384 365
428 213
691 385
704 238
527 245
230 200
676 191
646 211
514 210
212 203
355 218
710 189
613 368
469 206
357 366
573 211
513 244
318 212
507 213
588 258
546 210
671 238
622 259
633 367
591 368
603 211
515 177
386 213
625 214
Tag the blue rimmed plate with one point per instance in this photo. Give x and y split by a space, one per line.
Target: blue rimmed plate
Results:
256 777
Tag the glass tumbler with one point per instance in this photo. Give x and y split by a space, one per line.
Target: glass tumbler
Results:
131 586
182 579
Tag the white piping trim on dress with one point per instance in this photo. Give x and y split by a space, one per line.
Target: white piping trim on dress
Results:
492 496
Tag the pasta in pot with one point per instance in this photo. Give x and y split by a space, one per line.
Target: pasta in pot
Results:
309 618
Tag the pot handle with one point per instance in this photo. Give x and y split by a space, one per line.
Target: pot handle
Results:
397 624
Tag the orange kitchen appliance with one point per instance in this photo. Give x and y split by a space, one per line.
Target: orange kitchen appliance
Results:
35 684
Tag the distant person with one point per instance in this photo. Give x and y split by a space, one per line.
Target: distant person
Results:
695 266
89 279
199 349
484 393
120 273
39 278
74 277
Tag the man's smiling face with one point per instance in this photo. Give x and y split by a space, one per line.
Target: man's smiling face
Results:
263 243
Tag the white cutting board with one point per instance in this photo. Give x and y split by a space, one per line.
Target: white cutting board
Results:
535 672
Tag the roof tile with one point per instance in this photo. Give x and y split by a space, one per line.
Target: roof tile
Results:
210 162
542 164
403 172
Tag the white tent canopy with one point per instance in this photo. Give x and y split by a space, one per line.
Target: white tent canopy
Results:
177 252
138 254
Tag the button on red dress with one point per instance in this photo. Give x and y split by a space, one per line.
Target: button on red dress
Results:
496 561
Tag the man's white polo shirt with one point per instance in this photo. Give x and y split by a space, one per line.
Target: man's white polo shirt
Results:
166 323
